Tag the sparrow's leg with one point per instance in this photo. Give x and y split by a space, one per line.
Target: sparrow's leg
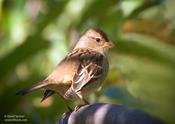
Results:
68 107
82 99
65 102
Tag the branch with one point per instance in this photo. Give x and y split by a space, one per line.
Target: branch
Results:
102 113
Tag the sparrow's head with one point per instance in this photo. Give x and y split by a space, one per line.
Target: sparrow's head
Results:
94 39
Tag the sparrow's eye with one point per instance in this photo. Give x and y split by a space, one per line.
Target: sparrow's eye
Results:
98 39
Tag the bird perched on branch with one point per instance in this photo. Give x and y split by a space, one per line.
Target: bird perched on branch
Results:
81 72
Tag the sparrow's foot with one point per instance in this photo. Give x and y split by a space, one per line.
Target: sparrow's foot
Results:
70 109
79 106
67 113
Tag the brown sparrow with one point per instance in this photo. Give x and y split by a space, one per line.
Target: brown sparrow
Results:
81 72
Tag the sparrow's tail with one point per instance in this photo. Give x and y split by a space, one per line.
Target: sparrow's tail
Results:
33 88
47 93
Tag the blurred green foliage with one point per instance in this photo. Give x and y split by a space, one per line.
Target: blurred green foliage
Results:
36 34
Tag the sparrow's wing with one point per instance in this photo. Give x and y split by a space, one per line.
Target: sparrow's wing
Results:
90 68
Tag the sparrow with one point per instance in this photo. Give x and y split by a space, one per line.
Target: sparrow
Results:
81 72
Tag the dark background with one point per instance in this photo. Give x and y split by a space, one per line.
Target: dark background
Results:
36 34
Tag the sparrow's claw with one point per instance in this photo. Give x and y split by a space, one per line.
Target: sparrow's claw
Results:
79 106
67 113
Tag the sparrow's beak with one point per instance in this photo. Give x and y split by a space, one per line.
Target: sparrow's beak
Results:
108 45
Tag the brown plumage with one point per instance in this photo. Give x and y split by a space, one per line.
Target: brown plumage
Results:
81 72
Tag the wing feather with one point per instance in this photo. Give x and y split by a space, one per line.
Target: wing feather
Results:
90 68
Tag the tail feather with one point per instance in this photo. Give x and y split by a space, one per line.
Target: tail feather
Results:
47 93
32 88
